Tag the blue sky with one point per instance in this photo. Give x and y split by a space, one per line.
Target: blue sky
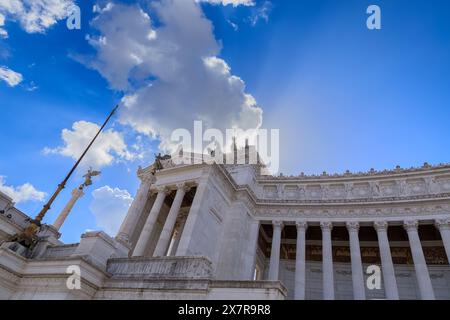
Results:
343 96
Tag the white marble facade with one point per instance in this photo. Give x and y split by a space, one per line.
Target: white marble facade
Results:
205 228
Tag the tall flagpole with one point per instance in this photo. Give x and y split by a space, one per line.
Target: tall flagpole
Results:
28 237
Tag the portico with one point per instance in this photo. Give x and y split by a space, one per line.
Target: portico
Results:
171 224
353 254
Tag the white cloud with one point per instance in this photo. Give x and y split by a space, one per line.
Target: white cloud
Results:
234 3
109 147
30 87
34 16
11 77
3 32
110 206
23 193
261 13
233 25
171 74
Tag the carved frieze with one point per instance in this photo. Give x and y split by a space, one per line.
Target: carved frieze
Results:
351 192
363 212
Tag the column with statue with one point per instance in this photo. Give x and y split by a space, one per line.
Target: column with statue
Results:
77 193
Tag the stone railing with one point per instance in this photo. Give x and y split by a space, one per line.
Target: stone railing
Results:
348 174
60 251
161 268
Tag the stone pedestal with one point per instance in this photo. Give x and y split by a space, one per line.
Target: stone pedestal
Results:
97 247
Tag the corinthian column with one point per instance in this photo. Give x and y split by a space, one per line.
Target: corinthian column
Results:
420 265
177 234
390 283
300 265
327 261
184 246
444 228
275 252
166 233
250 256
76 194
144 238
359 291
135 211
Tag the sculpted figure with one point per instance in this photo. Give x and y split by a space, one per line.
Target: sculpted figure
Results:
349 190
402 187
88 177
432 185
325 191
375 188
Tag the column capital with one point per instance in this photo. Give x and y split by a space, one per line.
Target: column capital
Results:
301 225
442 224
146 178
410 225
183 186
326 225
381 225
277 224
352 226
162 189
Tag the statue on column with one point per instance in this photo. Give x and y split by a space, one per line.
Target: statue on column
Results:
88 177
77 193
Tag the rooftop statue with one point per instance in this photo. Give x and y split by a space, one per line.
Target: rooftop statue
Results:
159 159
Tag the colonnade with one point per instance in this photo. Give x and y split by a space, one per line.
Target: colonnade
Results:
387 266
168 229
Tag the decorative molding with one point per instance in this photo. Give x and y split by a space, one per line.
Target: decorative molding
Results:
419 211
350 203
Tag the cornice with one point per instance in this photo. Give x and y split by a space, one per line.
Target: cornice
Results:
247 194
367 201
398 172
